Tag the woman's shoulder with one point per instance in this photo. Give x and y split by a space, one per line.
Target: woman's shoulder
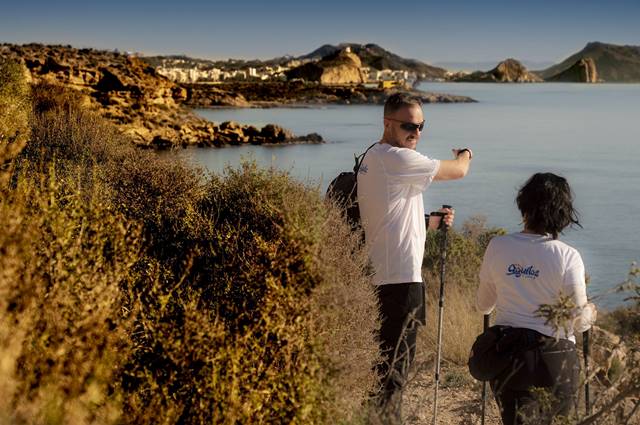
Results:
532 241
562 246
500 242
566 252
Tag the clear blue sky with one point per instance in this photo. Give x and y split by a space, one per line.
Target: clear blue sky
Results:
431 31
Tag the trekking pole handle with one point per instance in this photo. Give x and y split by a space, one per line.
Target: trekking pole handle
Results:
443 225
442 215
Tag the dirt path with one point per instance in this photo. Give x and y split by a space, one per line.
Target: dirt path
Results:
459 398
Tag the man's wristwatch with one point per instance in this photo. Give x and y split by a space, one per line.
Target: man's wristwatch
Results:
465 150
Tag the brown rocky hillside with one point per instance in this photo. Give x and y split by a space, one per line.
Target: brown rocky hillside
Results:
124 89
615 63
583 71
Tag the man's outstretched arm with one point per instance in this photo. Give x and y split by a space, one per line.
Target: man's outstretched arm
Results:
453 169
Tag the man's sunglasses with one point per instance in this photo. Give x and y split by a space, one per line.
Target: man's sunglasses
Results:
409 126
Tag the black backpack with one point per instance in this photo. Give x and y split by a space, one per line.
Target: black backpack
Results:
343 190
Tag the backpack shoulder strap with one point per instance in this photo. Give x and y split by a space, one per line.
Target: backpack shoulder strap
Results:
360 158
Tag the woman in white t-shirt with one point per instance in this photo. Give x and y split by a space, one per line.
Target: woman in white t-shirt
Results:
521 272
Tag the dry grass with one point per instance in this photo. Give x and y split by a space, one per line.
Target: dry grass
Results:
461 321
15 109
64 334
461 324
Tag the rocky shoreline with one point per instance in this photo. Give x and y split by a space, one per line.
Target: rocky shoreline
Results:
235 134
146 106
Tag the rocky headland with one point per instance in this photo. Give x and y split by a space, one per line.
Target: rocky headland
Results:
375 57
583 71
340 68
343 74
611 63
337 78
145 105
596 62
507 71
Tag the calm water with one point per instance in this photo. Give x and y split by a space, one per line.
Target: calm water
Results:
588 133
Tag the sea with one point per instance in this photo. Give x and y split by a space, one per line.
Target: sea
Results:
589 134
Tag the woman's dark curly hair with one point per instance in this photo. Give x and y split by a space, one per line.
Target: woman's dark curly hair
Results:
546 204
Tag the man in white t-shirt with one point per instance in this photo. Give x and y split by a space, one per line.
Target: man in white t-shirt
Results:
391 180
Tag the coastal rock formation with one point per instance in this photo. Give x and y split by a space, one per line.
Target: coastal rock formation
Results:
511 70
507 71
340 68
233 133
145 105
208 95
614 63
583 71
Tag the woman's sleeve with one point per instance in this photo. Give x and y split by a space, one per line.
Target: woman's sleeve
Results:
486 295
575 285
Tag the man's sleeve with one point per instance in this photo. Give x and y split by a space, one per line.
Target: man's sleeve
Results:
486 295
411 167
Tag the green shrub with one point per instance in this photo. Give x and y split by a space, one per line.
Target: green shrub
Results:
239 298
290 316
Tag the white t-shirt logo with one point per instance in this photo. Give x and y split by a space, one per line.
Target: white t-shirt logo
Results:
517 270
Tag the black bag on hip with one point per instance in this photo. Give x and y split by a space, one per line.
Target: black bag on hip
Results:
494 351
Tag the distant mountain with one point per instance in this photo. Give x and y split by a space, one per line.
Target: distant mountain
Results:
376 57
321 52
614 63
371 55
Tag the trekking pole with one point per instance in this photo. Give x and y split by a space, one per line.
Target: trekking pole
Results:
443 257
485 326
585 352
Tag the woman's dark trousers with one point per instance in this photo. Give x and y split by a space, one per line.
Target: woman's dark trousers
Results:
551 365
